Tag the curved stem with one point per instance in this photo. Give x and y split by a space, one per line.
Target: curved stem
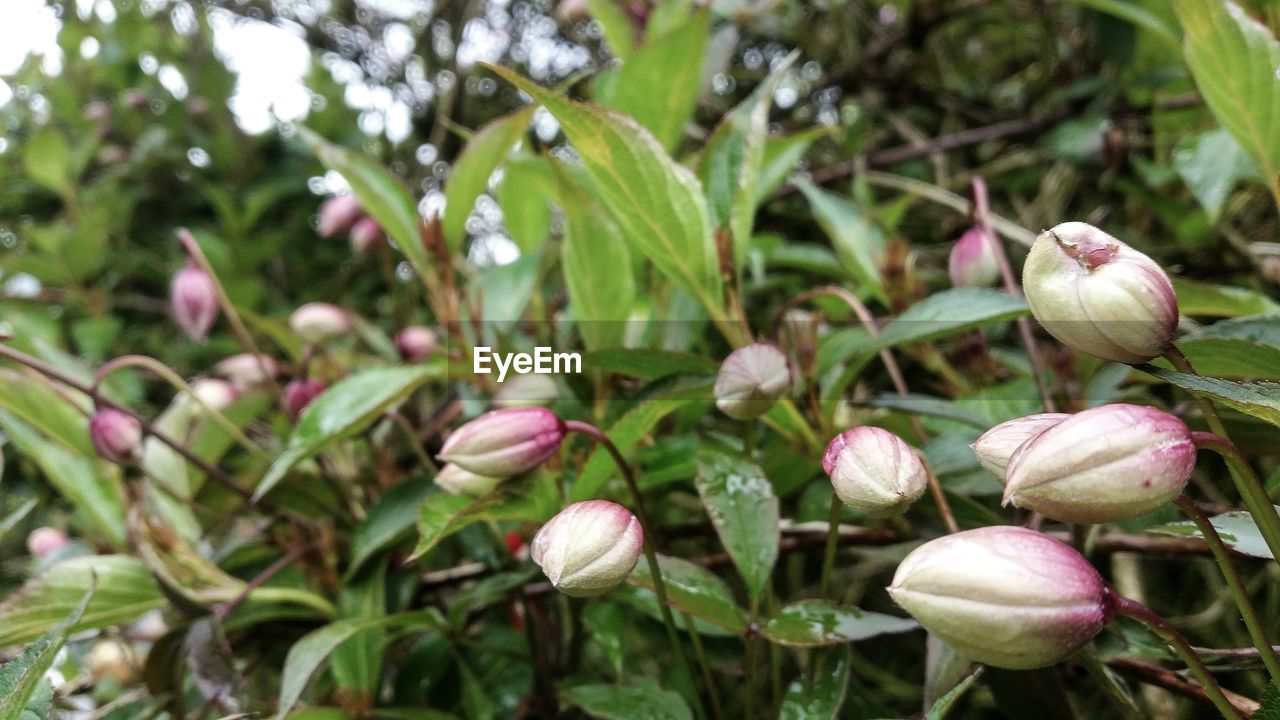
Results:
1241 594
1168 633
174 379
650 555
1250 487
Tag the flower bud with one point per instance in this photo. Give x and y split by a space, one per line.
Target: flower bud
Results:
1005 596
457 481
1107 463
298 394
997 445
214 393
45 541
113 660
973 260
506 442
317 322
415 343
751 380
247 370
116 436
365 235
874 471
589 548
526 391
193 299
1099 296
338 214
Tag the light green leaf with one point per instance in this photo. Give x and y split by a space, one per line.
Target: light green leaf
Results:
389 521
1139 16
533 498
943 705
648 364
819 700
1259 399
858 242
619 702
1236 529
470 176
694 589
1211 163
344 409
525 212
810 623
743 509
917 404
619 33
1203 299
47 155
782 155
125 591
39 406
21 678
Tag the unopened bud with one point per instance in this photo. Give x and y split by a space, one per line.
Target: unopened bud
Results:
973 260
338 214
526 391
317 322
1108 463
416 343
1005 596
751 380
503 443
997 445
45 541
116 436
247 370
97 111
874 471
194 301
298 394
1099 296
214 393
457 481
589 548
113 660
365 235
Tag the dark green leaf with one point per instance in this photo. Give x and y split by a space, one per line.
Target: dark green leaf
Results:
619 702
533 498
819 700
21 678
809 623
743 509
696 590
1259 399
649 364
389 521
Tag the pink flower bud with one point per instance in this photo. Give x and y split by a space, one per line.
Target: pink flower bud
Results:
997 445
526 390
194 301
298 394
246 370
1108 463
116 436
973 260
589 548
457 481
365 235
874 471
338 214
1005 596
503 443
97 111
45 541
416 343
1099 296
317 322
216 394
751 380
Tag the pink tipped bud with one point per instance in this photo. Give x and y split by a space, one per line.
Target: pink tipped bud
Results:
527 390
193 299
246 370
751 380
298 394
317 322
973 260
97 111
338 214
506 442
365 235
874 471
1005 596
1108 463
416 343
998 444
45 541
1099 296
214 393
589 548
457 481
116 436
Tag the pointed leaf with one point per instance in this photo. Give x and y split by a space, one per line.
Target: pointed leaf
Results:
1236 529
619 702
810 623
858 242
124 592
470 176
740 501
694 589
820 700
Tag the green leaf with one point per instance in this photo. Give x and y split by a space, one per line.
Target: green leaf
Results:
470 176
819 700
1211 163
1233 59
1231 358
47 156
21 678
619 34
648 364
125 590
1236 528
356 664
914 403
782 155
607 623
658 84
1196 299
943 705
344 409
13 519
525 213
619 702
308 654
533 498
743 509
811 623
657 203
1259 399
389 522
38 405
696 590
858 242
1134 13
381 194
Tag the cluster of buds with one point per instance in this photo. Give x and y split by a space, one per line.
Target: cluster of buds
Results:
874 471
973 261
342 213
193 300
319 322
751 380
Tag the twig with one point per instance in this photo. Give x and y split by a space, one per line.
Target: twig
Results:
1152 674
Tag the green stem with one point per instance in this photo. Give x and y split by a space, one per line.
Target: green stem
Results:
1211 417
1250 487
829 555
707 677
1168 633
1251 620
650 555
753 681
